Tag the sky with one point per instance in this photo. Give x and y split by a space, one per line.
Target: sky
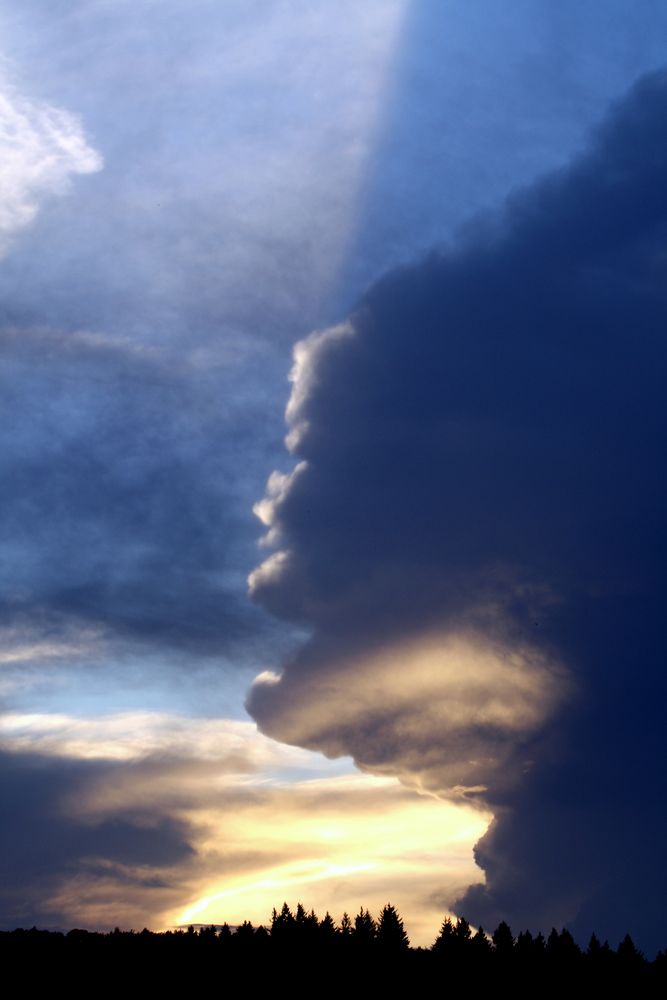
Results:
332 434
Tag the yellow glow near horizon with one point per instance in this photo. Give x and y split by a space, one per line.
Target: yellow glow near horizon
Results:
336 844
283 879
260 828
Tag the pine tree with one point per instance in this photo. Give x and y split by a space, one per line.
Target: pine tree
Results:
364 929
462 933
327 928
503 940
594 947
480 947
444 943
628 954
391 935
283 923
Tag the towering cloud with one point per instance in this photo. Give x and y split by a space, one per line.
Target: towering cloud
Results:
474 534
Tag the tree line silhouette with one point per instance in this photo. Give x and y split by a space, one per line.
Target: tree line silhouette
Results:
295 942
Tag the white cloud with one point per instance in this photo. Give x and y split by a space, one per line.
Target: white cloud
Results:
133 736
266 509
307 355
41 146
269 571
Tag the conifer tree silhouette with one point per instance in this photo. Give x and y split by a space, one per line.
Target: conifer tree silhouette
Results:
391 934
364 929
503 940
443 945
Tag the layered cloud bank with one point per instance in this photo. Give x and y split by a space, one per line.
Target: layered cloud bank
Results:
155 819
474 533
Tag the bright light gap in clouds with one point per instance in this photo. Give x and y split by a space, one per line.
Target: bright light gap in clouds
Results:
330 839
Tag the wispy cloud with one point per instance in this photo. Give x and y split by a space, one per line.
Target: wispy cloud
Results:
41 147
134 736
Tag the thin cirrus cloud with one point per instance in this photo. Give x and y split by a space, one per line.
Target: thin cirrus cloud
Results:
480 456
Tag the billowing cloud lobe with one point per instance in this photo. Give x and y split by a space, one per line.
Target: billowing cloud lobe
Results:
475 535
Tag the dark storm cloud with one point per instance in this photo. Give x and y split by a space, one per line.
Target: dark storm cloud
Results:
43 844
476 535
120 509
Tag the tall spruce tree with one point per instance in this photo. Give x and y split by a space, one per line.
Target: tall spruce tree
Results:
391 934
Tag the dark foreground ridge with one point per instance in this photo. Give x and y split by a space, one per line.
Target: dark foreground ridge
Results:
298 943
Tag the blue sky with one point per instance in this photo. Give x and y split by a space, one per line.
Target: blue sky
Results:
190 189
